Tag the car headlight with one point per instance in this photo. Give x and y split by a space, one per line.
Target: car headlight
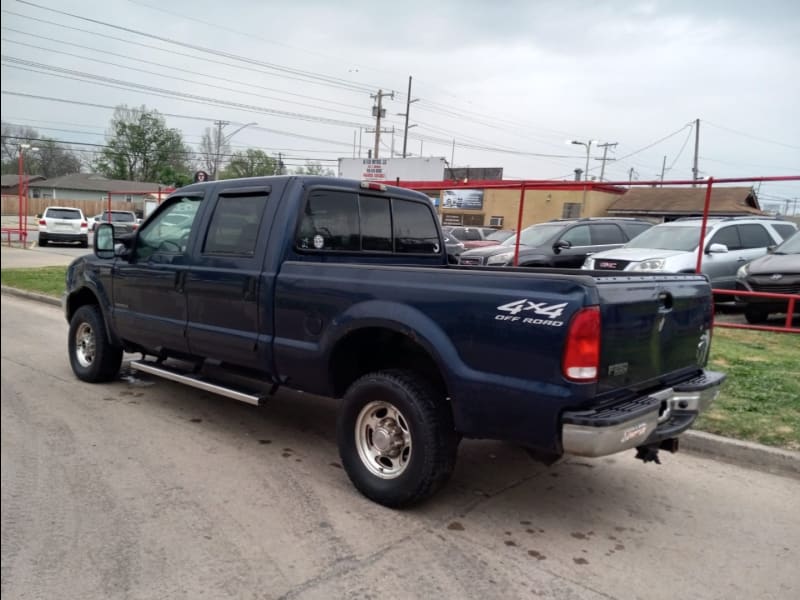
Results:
500 259
588 263
653 264
743 272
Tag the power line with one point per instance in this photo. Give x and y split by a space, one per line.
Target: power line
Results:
752 137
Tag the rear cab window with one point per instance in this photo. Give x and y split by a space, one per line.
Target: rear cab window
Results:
356 222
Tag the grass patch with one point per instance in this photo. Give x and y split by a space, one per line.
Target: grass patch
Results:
760 401
43 280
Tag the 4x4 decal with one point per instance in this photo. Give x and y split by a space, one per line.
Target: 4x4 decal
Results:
541 309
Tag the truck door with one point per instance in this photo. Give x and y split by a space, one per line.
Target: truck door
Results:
223 285
149 301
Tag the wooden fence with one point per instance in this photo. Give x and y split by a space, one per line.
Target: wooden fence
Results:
90 208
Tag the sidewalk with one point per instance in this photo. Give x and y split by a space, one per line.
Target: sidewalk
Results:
19 258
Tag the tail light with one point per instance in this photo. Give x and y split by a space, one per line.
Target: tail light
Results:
581 360
135 226
42 222
84 224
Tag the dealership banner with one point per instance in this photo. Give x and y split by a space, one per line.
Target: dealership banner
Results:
463 199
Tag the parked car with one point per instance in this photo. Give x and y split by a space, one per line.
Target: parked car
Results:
559 244
469 234
63 224
777 273
672 247
493 239
342 288
124 221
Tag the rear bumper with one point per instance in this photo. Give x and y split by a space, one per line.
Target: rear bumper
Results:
646 420
63 237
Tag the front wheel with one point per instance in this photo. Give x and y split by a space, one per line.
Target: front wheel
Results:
92 356
396 438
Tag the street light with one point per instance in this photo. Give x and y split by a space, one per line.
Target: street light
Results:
222 140
23 191
588 146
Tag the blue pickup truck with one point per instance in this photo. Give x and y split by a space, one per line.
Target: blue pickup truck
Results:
343 288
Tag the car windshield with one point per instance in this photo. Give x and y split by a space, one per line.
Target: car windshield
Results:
499 236
669 237
790 246
535 235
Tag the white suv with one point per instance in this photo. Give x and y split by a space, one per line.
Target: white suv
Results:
672 247
63 224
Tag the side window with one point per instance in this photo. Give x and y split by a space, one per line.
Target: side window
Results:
376 223
168 233
784 230
234 225
606 233
577 236
414 228
330 222
755 236
728 236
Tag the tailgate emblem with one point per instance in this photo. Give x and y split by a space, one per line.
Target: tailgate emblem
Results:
776 276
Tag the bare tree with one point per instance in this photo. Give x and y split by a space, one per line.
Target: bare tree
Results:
214 147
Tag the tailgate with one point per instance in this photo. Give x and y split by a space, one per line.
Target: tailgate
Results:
654 330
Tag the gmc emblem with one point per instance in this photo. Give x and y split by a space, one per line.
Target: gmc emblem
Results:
605 264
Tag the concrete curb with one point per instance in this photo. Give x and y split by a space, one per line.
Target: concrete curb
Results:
746 454
5 289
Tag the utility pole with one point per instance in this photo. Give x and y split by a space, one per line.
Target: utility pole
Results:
217 146
631 171
605 148
663 168
405 114
695 172
453 154
378 112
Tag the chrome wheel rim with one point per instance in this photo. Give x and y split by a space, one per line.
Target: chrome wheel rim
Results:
383 439
85 346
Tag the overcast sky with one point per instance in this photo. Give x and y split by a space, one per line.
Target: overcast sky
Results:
509 83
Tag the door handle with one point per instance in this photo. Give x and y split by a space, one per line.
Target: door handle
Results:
180 281
250 288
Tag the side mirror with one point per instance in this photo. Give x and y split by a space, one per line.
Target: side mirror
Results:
104 241
717 249
561 245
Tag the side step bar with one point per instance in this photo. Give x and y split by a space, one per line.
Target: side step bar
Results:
196 381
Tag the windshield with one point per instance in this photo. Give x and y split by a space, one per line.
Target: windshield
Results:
535 235
667 238
790 246
499 236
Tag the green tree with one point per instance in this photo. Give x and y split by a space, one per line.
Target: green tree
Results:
140 147
250 163
314 168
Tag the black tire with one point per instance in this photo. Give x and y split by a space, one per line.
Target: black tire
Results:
84 243
755 315
42 242
92 357
427 420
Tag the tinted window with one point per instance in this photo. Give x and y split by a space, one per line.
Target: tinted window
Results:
414 228
755 236
124 217
634 229
577 236
330 221
234 225
376 223
162 236
63 213
784 230
606 233
728 236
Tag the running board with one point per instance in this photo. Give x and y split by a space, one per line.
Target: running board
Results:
196 381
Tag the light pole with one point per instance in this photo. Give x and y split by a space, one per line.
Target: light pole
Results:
22 188
588 146
221 141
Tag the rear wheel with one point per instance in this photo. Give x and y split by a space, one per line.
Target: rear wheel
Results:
42 242
92 357
396 437
755 315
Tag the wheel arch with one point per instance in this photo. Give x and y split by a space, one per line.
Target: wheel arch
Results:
86 296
